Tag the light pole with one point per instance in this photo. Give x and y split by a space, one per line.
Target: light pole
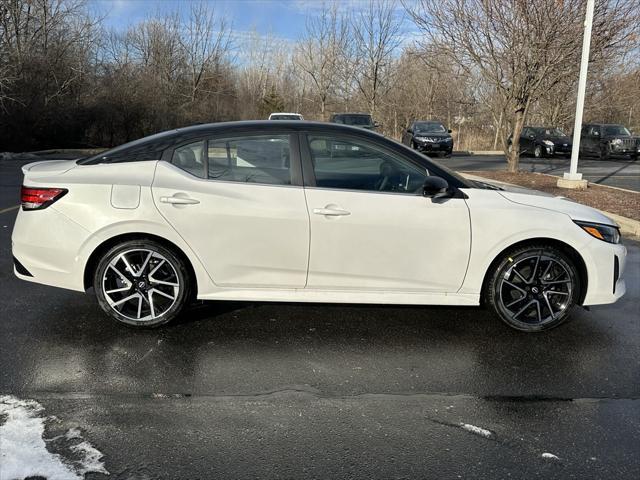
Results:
573 179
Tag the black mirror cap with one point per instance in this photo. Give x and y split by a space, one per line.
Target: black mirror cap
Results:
435 187
449 131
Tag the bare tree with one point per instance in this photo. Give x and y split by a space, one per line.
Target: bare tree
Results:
320 53
520 47
376 38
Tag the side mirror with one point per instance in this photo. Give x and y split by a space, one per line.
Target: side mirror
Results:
449 131
376 124
409 130
435 187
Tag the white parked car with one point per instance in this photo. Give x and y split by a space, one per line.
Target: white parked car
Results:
308 212
285 116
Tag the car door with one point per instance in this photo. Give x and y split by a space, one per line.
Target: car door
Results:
590 143
371 227
239 203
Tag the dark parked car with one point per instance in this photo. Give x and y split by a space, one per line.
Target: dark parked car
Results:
362 120
608 140
544 142
429 137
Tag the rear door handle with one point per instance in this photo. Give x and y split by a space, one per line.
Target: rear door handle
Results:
179 200
331 211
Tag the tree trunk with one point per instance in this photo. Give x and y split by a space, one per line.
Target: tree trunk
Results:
498 128
513 157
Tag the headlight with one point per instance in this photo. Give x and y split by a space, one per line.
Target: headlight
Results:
616 141
548 143
420 139
607 233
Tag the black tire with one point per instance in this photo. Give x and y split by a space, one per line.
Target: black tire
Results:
113 282
547 300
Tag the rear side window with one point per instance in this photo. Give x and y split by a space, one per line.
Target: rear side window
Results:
190 158
262 159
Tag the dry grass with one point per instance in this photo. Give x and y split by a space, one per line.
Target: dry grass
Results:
620 202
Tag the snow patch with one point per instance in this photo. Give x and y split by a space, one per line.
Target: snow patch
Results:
550 455
24 452
477 430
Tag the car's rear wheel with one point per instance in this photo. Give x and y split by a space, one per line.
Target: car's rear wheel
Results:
534 288
141 283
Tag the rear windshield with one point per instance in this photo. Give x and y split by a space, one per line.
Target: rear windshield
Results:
285 117
354 119
147 148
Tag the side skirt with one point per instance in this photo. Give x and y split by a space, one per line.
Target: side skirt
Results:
336 296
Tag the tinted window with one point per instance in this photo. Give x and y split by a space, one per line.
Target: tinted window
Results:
359 165
429 127
251 159
190 158
285 117
594 130
616 130
147 148
354 119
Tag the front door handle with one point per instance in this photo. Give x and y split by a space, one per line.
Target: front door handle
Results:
179 200
331 211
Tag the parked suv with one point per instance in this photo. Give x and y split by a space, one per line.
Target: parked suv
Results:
543 142
362 120
428 136
606 140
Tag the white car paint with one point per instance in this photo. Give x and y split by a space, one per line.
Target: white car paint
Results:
265 242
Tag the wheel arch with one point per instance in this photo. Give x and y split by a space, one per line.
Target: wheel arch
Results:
565 247
102 248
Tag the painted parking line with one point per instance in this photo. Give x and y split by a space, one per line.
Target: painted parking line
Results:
5 210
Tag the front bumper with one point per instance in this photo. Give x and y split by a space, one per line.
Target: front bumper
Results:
446 147
605 269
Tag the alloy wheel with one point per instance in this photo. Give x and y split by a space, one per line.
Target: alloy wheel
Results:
535 290
140 284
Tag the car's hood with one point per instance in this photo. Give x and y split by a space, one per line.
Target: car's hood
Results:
566 140
575 210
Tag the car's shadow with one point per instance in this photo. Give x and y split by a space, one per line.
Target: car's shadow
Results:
242 347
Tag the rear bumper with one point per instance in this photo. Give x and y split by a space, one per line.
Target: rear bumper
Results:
45 246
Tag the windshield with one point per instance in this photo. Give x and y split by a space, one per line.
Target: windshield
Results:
285 117
354 119
611 130
429 128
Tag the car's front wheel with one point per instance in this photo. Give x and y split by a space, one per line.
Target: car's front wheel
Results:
537 151
533 288
141 283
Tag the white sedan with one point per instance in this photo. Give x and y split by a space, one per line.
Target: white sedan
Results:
304 212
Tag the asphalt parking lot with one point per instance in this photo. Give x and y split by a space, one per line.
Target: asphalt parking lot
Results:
246 390
619 173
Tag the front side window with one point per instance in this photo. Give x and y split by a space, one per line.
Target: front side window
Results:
352 164
190 158
251 159
594 130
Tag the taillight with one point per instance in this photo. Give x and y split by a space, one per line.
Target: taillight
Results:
38 198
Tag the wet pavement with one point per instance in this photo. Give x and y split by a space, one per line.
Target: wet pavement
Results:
248 390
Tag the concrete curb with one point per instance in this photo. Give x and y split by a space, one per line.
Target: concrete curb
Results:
628 226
